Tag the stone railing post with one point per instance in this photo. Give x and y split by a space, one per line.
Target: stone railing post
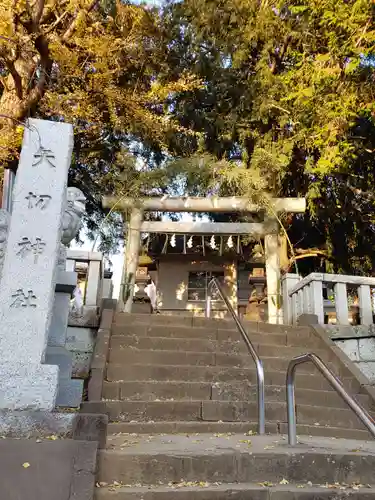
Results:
307 297
94 280
365 304
70 265
341 301
288 282
107 288
316 298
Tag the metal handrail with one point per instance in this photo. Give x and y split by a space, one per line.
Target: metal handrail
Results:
249 345
335 382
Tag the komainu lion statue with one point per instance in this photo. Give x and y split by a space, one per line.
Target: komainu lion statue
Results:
72 218
71 221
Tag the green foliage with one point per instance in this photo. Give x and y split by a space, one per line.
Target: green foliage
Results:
258 98
288 104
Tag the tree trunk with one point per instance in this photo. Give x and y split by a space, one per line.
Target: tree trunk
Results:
14 108
14 99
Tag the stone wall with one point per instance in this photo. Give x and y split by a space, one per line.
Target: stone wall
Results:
358 343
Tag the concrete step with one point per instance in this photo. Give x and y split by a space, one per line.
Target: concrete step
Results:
239 391
158 319
207 346
171 331
192 358
148 460
143 372
244 392
242 491
221 428
163 411
149 391
190 428
159 357
184 332
223 411
288 352
163 343
189 321
175 320
177 372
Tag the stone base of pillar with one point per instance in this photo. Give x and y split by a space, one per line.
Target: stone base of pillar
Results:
39 424
69 391
28 387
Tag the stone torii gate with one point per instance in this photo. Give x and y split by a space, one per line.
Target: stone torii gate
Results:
267 229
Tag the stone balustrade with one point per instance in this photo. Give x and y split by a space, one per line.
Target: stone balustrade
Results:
305 296
91 265
83 324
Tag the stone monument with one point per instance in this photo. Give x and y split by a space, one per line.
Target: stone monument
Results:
4 227
30 267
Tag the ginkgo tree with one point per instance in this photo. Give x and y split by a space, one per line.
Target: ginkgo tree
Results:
94 64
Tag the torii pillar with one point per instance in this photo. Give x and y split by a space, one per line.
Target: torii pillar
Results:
212 204
131 258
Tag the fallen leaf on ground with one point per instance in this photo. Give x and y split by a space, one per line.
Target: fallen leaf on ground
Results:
246 441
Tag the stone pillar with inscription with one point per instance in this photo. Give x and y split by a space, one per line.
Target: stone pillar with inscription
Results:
30 266
4 227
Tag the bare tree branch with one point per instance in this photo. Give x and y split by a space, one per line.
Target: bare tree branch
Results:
38 12
4 83
309 253
58 20
7 39
358 43
50 11
68 33
44 70
16 78
9 64
279 56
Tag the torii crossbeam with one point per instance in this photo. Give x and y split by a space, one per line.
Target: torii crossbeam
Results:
205 205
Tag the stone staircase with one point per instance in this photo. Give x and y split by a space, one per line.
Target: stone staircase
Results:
180 394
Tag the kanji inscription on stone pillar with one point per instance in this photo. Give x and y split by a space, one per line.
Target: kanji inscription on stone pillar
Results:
30 266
